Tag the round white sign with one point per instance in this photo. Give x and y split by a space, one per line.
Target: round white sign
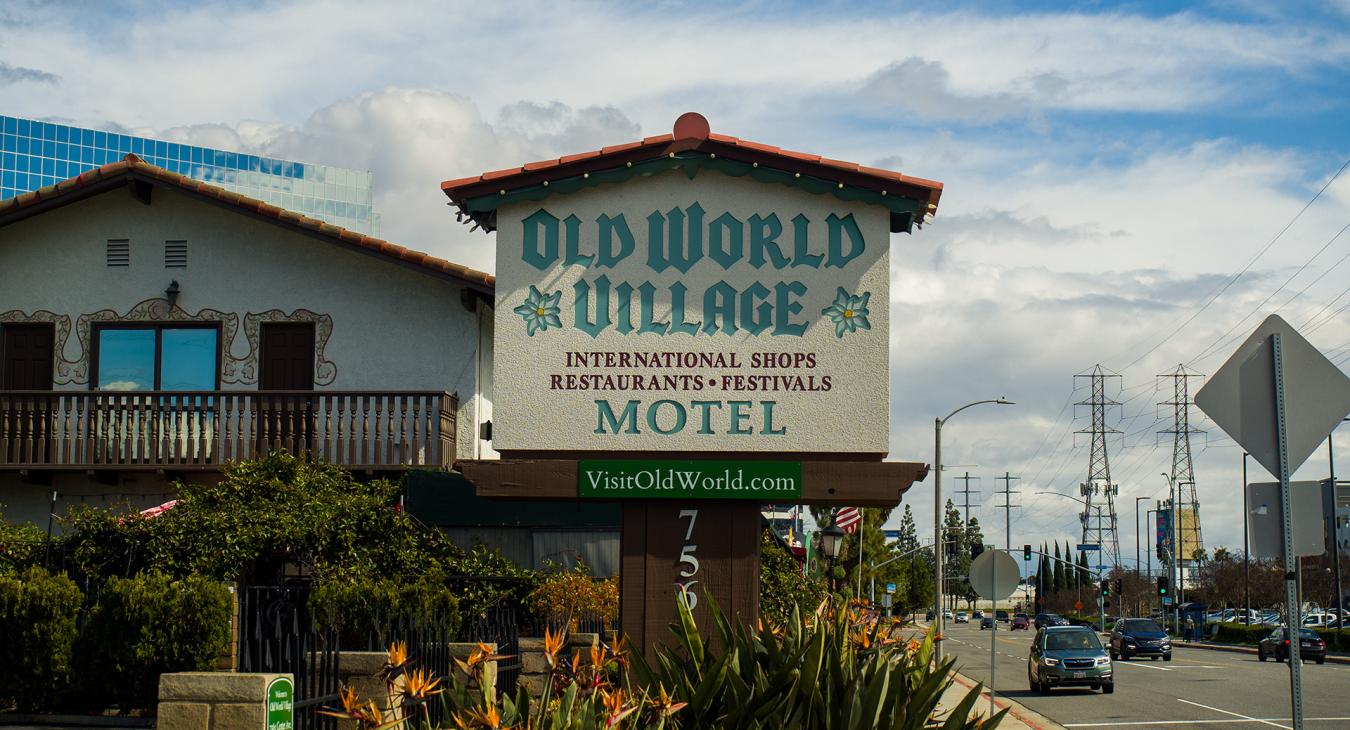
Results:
994 574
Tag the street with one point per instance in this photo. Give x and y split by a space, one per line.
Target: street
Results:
1198 687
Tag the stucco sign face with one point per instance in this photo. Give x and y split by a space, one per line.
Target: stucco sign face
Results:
711 313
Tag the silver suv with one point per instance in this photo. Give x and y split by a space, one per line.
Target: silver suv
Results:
1069 656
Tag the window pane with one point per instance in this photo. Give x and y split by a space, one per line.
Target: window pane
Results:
126 359
188 360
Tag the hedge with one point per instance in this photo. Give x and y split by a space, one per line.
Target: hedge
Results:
145 626
38 613
362 609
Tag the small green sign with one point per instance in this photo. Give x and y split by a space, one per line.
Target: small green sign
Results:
759 481
281 704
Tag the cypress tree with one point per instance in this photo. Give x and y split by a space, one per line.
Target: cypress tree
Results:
1058 584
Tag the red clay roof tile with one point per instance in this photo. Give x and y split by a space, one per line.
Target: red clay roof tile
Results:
133 165
691 133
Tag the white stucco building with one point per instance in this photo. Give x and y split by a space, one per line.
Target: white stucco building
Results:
153 327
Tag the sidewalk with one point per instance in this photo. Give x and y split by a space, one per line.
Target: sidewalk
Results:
1019 716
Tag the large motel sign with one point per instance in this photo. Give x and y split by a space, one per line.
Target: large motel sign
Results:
692 325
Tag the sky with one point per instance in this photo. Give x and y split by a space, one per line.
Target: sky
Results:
1127 184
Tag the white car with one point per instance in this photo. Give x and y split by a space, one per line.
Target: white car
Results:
946 613
962 618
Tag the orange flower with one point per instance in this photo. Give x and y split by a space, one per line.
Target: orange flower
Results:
398 653
662 704
420 686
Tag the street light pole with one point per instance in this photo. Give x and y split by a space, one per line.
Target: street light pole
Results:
1246 547
1335 541
938 543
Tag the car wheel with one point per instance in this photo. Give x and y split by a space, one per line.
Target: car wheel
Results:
1109 688
1167 657
1321 660
1279 658
1031 680
1045 688
1096 686
1260 655
1114 655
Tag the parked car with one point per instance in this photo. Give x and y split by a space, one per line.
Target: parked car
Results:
1319 619
1310 646
1069 656
1001 616
1132 637
962 618
1050 619
986 623
1020 622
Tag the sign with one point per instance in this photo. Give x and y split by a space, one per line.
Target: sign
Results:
890 588
1263 508
848 519
885 600
759 481
1078 605
281 704
1240 397
994 575
1167 600
1089 546
692 312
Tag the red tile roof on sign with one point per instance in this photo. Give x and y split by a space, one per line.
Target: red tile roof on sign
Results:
132 169
692 134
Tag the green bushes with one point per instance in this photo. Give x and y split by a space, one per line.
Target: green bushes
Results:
37 632
145 626
1235 633
782 588
360 608
21 547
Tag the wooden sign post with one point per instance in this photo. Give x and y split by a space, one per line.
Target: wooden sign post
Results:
692 325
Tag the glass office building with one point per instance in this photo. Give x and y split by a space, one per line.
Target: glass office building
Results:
35 154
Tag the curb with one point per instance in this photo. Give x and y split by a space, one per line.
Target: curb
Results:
1236 649
1027 716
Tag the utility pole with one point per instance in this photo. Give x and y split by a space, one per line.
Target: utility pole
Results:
1007 508
1190 546
1099 485
966 491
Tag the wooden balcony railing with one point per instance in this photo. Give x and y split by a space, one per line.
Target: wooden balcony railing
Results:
200 430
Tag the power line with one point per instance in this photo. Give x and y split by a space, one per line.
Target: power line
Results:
1234 278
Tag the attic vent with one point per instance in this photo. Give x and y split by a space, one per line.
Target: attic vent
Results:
119 253
175 254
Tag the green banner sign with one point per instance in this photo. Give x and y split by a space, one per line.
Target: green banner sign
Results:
759 481
281 704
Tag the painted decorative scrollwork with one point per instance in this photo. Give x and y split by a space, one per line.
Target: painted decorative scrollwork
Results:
234 370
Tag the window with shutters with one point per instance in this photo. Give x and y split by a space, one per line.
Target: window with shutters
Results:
175 254
119 253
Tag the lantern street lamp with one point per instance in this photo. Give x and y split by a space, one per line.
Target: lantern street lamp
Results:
832 541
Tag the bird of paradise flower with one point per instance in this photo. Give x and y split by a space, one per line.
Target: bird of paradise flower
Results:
540 311
849 313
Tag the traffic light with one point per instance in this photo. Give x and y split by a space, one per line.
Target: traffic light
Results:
1119 588
1162 585
1106 588
1026 553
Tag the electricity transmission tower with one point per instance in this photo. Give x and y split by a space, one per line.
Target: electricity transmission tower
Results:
1183 473
1099 492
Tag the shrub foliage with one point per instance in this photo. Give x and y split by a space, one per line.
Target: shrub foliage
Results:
38 613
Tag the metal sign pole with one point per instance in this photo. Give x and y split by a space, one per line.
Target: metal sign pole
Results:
1293 620
992 638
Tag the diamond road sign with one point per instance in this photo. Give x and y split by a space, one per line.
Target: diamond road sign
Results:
1240 397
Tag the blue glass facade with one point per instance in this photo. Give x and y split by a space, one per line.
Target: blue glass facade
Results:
35 154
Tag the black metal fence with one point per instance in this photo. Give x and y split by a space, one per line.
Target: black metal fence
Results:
278 632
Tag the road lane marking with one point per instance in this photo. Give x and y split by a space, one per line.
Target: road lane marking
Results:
1142 666
1226 721
1235 714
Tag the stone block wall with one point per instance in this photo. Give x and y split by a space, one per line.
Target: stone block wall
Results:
213 701
533 666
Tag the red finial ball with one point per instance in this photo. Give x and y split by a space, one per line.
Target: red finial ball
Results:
691 125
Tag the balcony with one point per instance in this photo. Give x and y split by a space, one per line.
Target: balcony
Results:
202 430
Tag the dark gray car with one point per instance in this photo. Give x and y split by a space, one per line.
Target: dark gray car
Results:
1134 637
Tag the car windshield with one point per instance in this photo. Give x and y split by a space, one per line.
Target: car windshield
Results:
1140 624
1061 640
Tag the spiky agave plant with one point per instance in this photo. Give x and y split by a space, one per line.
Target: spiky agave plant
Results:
839 668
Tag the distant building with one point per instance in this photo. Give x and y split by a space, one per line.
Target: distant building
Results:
36 154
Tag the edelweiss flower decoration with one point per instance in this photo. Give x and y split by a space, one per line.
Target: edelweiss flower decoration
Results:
540 311
849 313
